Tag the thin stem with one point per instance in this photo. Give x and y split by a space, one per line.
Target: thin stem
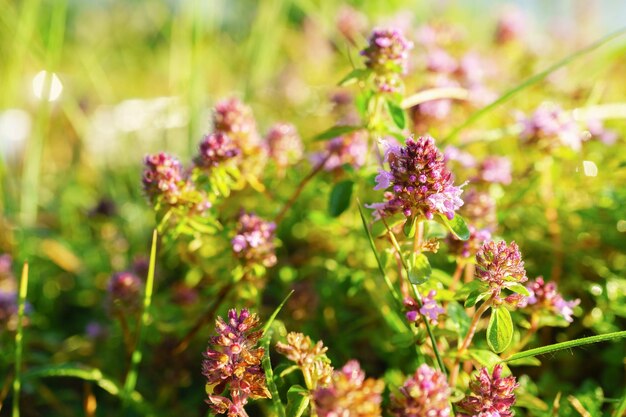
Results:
19 339
206 318
534 326
131 377
454 373
300 188
456 277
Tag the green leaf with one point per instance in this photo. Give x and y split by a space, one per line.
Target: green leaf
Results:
354 76
340 197
500 329
271 319
486 358
456 226
397 114
279 409
297 401
409 227
336 131
474 297
419 268
518 288
567 345
530 361
459 318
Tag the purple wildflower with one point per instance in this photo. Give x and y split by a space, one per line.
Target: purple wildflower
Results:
233 361
420 183
597 131
349 394
550 127
466 159
496 170
439 61
350 22
216 148
387 56
350 149
284 144
124 292
479 209
424 394
7 279
254 241
493 395
236 120
429 308
546 296
163 178
498 264
431 110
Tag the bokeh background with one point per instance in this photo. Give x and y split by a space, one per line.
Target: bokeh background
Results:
88 87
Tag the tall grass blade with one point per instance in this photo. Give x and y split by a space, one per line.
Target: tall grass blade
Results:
19 339
533 80
566 345
131 377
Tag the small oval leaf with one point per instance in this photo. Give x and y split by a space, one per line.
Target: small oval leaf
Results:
410 226
419 269
457 226
397 114
500 329
336 131
340 197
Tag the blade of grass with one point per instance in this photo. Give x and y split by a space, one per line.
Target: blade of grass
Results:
19 339
131 377
566 345
279 408
621 407
396 296
271 319
86 373
533 80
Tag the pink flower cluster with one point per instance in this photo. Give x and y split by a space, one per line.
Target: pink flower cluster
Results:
546 296
124 292
424 394
551 127
233 361
163 178
420 182
493 395
216 148
499 265
349 394
236 120
254 240
387 56
284 144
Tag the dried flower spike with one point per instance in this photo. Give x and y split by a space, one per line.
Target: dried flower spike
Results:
420 183
493 395
424 394
349 394
254 241
233 361
311 358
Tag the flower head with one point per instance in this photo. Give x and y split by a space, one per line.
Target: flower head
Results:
7 279
479 209
216 148
493 395
163 178
124 291
349 149
8 308
420 182
546 296
284 144
233 361
387 56
349 394
424 394
551 127
511 25
468 248
498 262
236 120
496 170
254 240
429 308
310 357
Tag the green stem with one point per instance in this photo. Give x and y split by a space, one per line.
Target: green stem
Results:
131 377
19 339
567 345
